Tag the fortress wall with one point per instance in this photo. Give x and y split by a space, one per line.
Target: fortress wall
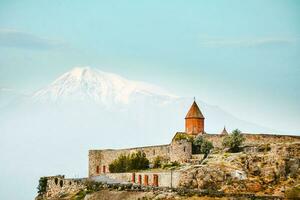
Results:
165 179
254 139
102 158
58 185
181 151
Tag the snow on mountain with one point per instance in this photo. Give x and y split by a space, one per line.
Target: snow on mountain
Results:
142 101
86 83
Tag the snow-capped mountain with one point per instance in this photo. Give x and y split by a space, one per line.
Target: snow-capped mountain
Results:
85 83
63 133
142 101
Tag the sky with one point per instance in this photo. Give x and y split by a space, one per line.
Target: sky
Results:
242 56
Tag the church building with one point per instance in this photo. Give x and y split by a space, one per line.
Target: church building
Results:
178 150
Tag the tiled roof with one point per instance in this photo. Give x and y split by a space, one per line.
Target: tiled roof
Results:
194 112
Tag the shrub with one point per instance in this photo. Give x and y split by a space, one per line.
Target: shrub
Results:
134 161
172 164
79 195
233 141
138 161
93 186
42 187
157 162
183 136
121 164
293 193
201 145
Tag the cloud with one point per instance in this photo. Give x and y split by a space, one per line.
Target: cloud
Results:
19 39
247 42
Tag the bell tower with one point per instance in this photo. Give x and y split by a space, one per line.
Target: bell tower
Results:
194 120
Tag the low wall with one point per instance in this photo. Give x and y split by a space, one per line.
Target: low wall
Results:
59 185
254 139
99 160
165 179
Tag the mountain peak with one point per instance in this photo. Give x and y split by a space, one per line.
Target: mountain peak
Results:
83 83
79 71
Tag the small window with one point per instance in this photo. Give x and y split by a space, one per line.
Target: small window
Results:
97 169
70 183
153 152
184 149
55 181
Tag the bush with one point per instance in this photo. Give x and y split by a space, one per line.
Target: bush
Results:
172 164
134 161
293 193
183 136
93 186
42 187
201 145
157 162
233 141
79 195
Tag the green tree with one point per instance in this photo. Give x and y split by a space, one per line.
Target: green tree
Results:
233 141
42 187
134 161
138 161
121 164
201 145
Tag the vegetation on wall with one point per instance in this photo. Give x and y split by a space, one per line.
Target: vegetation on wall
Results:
157 162
183 136
233 141
126 163
201 145
42 187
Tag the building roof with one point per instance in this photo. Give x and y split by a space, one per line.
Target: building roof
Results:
194 112
224 132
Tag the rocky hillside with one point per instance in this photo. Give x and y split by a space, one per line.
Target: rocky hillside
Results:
263 170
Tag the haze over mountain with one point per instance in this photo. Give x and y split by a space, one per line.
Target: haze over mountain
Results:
84 109
112 92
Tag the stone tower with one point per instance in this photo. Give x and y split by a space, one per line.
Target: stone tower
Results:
194 120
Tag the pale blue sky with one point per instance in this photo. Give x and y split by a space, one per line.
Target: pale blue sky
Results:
243 56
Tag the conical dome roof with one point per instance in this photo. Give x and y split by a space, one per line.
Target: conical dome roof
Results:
194 112
224 132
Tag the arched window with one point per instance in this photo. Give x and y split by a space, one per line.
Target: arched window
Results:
56 181
61 183
97 169
183 149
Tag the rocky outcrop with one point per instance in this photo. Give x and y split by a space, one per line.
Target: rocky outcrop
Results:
268 169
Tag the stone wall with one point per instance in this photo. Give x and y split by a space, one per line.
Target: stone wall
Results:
165 179
181 151
99 160
57 185
254 139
